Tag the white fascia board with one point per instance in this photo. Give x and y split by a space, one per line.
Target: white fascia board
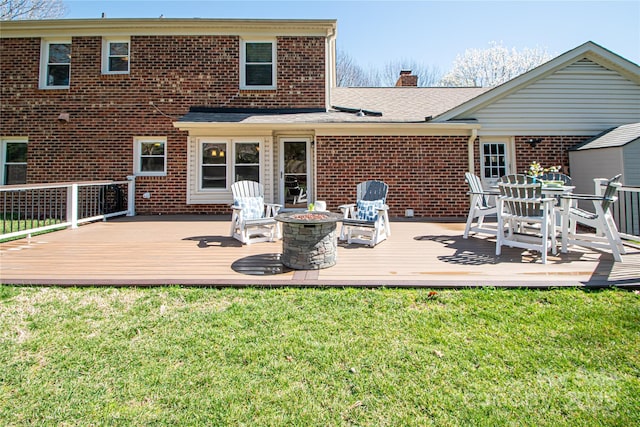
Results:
167 26
539 132
588 50
326 129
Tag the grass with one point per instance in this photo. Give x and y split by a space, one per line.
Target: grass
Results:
11 224
318 357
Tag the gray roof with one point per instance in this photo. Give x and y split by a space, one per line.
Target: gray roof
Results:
404 104
266 118
614 137
397 105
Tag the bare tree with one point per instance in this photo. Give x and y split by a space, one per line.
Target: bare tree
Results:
31 9
493 66
427 76
350 74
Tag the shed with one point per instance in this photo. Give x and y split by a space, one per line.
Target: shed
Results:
614 151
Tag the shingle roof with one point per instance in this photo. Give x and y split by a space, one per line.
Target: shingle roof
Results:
268 118
614 137
397 105
404 104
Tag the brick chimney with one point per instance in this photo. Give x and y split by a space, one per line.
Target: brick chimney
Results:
407 79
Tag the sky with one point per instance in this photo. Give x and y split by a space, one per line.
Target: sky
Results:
431 33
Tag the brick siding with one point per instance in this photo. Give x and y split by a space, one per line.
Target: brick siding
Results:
552 151
108 111
423 172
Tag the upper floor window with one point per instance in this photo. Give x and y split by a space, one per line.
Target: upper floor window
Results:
55 66
258 65
150 156
115 56
14 161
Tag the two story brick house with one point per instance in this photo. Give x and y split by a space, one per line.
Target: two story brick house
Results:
188 106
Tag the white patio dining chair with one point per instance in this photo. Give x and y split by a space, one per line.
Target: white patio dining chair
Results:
605 235
367 221
521 205
252 219
479 208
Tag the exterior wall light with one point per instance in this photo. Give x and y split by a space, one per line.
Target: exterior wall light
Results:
533 142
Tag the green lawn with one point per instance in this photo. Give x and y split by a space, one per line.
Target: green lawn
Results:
318 357
11 225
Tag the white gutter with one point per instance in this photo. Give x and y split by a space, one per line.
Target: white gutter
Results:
472 139
342 128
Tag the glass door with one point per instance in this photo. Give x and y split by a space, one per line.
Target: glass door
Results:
494 162
294 186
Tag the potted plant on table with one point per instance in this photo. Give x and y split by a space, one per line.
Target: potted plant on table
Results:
536 170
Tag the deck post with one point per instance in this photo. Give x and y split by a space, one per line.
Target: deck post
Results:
131 195
72 205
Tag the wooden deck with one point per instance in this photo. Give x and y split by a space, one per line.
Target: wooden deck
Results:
196 251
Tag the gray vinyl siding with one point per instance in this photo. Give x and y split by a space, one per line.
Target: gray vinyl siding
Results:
631 161
581 99
586 165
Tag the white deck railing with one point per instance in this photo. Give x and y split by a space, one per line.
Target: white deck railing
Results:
33 208
625 211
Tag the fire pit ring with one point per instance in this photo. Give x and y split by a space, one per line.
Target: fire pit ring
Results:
309 239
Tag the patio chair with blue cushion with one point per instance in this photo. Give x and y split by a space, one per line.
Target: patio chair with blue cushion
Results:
253 220
367 220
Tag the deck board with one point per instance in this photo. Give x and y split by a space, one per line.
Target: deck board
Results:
195 250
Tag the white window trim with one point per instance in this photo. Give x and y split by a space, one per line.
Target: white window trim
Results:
230 144
274 65
509 144
44 61
137 154
260 156
229 171
3 153
106 41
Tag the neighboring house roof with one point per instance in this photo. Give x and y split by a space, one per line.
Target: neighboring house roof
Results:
615 137
588 50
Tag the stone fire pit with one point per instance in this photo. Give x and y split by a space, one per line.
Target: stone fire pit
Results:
309 239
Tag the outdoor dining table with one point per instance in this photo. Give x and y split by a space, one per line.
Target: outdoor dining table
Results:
562 209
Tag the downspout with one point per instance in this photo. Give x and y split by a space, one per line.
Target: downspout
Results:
330 65
472 139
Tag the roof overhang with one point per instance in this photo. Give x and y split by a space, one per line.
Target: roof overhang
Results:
168 26
327 129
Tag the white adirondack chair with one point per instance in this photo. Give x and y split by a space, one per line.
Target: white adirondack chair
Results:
367 221
521 205
606 234
479 208
253 220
